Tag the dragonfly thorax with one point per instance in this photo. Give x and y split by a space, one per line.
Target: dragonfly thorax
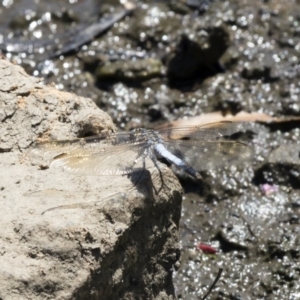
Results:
152 137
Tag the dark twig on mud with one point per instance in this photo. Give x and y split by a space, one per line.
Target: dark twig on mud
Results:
214 283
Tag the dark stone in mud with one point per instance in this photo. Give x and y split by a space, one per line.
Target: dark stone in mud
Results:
283 174
283 167
197 55
259 71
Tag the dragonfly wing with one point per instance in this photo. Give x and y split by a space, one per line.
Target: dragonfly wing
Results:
110 160
203 155
50 149
99 155
202 132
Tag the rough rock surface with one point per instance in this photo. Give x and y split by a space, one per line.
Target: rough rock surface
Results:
120 242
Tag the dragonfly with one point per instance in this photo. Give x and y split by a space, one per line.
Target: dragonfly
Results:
191 149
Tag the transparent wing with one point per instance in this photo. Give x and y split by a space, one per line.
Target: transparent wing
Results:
49 150
203 132
113 154
116 160
203 155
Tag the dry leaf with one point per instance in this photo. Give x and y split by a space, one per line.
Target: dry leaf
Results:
239 117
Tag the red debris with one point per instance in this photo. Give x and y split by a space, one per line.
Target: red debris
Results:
206 248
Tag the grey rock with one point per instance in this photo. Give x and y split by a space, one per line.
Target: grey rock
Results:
110 240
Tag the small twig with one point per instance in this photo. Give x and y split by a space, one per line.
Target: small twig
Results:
214 283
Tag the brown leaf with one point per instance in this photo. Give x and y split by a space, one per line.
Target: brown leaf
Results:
239 117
